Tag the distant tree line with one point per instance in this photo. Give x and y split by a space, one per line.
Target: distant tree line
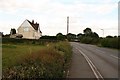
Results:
88 37
61 37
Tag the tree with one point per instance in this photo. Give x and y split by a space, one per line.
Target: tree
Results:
89 37
115 36
109 36
87 31
71 36
79 35
60 36
13 31
1 34
7 35
95 35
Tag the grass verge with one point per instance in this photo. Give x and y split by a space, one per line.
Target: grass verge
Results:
50 61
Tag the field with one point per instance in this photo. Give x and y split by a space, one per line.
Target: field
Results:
12 53
36 61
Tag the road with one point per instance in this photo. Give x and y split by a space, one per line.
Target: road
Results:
90 61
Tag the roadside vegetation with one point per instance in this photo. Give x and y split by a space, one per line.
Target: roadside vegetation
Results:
112 42
87 37
90 37
35 59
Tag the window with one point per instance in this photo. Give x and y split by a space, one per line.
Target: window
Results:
26 29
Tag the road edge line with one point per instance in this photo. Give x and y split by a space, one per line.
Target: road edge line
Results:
92 66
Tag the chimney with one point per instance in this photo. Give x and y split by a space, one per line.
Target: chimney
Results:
33 21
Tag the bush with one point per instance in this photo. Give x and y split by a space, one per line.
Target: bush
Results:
26 41
42 64
110 42
86 40
89 40
50 62
49 37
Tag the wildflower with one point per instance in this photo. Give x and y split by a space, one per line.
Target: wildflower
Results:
32 67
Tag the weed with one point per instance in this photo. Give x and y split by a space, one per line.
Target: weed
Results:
49 62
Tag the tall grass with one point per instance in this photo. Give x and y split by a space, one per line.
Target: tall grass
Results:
51 61
11 53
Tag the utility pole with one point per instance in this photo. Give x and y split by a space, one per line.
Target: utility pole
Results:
103 32
67 24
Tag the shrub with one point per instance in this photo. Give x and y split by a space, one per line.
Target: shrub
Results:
49 37
50 62
110 42
87 40
26 41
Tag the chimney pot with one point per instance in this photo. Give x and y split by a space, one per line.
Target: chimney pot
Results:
33 21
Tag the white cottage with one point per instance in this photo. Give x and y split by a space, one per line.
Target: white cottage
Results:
30 30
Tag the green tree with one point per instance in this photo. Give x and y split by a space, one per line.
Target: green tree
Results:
109 36
90 37
80 36
71 36
60 36
13 31
95 35
87 31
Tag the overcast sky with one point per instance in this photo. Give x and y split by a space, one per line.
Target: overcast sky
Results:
52 14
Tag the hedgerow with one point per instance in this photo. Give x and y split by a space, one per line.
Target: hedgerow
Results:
110 42
26 41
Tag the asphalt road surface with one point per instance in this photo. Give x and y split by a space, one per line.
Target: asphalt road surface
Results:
90 61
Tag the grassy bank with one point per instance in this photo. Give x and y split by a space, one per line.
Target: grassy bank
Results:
35 61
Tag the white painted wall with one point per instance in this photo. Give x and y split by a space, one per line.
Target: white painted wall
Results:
28 31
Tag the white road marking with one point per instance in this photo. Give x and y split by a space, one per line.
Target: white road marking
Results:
92 66
114 57
109 55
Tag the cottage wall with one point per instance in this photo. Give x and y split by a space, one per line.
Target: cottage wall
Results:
28 31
